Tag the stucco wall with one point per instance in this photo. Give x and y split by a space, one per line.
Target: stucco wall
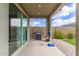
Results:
40 29
4 28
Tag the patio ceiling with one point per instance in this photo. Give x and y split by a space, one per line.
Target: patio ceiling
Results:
39 9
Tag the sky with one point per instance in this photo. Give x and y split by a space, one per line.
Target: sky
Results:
38 22
65 16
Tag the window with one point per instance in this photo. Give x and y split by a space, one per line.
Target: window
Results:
18 29
24 29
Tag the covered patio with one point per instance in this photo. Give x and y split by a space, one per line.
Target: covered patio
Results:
22 39
39 48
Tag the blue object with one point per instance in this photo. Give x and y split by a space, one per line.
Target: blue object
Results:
51 44
62 46
49 34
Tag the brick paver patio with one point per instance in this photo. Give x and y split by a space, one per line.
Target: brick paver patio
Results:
66 48
40 48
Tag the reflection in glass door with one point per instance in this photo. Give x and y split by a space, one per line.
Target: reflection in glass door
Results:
24 29
15 29
18 29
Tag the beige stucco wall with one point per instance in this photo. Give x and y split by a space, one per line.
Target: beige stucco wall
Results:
4 29
34 29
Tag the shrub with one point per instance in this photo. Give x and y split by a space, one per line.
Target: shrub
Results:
58 35
70 35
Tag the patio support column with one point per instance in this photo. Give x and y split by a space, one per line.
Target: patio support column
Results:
46 27
77 30
49 26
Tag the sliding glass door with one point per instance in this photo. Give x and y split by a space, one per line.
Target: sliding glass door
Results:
18 29
24 29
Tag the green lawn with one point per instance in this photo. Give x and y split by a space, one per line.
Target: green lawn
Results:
71 41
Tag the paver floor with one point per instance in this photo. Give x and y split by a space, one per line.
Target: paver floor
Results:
40 48
66 48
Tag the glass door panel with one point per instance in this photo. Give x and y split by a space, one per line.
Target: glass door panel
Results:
15 39
24 28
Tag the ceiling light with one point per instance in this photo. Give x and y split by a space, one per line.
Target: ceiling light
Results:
39 6
38 12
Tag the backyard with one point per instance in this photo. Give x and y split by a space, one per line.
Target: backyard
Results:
71 41
67 37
